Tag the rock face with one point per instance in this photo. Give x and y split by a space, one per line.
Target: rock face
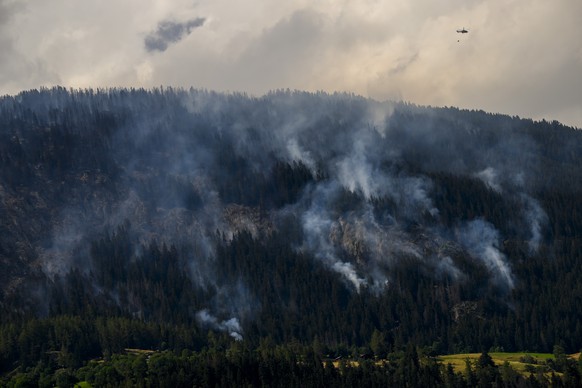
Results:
350 237
465 310
243 218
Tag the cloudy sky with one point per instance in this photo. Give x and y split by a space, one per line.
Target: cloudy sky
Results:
520 57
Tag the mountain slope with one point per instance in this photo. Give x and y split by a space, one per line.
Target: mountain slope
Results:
293 216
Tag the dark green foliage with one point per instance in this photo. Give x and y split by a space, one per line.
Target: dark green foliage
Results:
282 366
109 239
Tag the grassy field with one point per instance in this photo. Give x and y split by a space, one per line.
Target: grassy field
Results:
521 362
138 352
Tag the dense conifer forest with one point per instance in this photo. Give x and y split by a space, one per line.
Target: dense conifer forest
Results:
256 240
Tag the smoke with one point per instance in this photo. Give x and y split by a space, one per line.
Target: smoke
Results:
170 32
536 218
317 226
231 300
370 206
481 240
411 194
348 271
296 153
533 214
490 178
356 174
230 326
355 243
446 267
60 257
68 243
379 115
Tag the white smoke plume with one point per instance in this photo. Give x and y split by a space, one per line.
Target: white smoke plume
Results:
297 153
357 175
490 177
536 218
348 271
445 266
317 226
354 243
481 240
534 215
379 115
412 195
230 326
383 152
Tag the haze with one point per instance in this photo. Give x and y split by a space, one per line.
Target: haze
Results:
520 57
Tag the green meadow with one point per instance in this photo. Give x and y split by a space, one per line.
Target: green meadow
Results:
522 362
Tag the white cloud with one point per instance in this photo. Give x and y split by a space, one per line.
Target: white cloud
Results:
520 57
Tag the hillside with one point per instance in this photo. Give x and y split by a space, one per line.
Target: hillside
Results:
149 218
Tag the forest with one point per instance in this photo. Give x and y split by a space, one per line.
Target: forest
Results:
229 234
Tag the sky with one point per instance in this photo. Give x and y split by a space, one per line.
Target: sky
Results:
520 57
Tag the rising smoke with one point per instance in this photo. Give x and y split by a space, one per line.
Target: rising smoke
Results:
230 326
369 207
481 240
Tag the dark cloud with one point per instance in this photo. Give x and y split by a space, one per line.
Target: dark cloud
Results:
169 32
8 9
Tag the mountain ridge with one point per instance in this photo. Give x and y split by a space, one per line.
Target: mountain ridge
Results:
226 211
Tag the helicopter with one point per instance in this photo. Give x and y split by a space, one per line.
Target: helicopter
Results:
463 31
